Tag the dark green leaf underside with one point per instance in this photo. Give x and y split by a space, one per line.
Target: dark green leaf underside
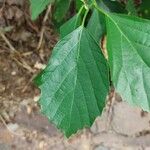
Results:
75 82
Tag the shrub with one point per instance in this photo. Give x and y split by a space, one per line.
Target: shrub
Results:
77 79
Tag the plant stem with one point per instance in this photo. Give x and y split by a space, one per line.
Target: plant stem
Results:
79 12
85 4
98 8
83 21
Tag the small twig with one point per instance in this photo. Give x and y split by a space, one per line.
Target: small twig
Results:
1 9
26 86
5 124
103 43
43 27
8 43
14 51
111 108
23 64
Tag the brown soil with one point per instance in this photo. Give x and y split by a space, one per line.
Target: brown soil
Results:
17 70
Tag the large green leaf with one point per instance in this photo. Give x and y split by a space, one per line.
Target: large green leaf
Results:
128 44
75 83
37 6
70 25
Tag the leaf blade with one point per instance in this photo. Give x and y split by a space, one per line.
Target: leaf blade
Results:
130 7
38 6
70 95
99 30
62 7
129 54
70 25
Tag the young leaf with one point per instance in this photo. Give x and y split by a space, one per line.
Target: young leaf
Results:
78 4
111 6
70 25
37 6
96 25
62 7
128 44
130 7
75 83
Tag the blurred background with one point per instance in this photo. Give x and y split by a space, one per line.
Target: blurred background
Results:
25 47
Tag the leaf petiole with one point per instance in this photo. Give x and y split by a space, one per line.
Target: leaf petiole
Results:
80 10
98 8
84 18
85 4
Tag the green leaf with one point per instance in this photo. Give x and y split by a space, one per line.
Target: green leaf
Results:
37 6
89 2
130 7
128 44
96 25
75 83
78 4
62 7
111 6
70 25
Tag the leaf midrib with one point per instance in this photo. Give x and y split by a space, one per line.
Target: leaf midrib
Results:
76 77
